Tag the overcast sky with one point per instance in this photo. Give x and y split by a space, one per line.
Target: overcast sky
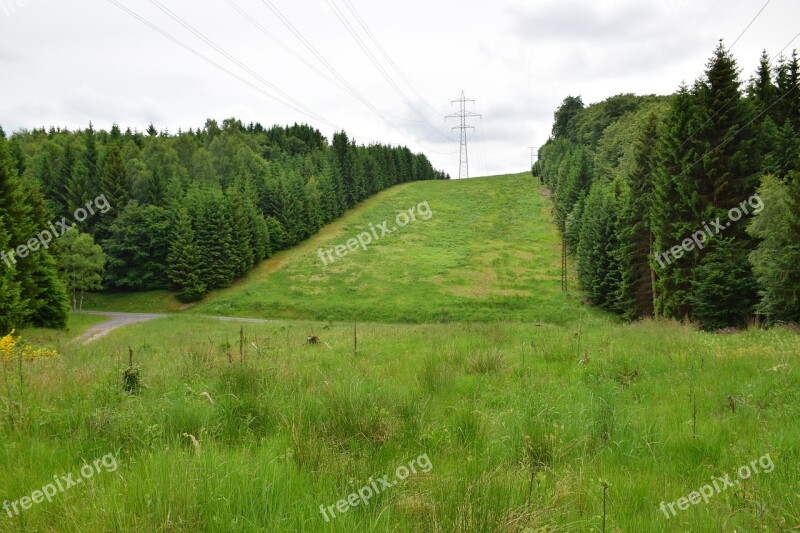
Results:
66 63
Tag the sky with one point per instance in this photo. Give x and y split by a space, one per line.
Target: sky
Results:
68 63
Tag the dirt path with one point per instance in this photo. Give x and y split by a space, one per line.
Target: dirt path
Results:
117 320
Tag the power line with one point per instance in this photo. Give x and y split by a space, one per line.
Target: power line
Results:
310 47
748 26
389 60
230 57
307 112
361 44
283 45
381 49
724 107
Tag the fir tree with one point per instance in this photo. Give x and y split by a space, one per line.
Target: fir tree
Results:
184 259
775 261
597 268
635 233
676 206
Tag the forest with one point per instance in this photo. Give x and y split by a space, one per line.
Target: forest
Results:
633 178
190 211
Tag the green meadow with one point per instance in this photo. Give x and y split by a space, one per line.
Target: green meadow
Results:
449 339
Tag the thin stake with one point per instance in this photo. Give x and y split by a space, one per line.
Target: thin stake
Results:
241 344
355 336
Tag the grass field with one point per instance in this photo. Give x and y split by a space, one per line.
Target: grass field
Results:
487 253
525 406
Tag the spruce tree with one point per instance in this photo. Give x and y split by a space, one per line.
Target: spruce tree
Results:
761 89
676 206
598 272
12 310
137 248
729 164
212 229
314 217
724 288
42 287
242 233
184 259
114 178
635 233
777 255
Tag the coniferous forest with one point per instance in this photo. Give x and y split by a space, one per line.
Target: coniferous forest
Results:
634 177
190 211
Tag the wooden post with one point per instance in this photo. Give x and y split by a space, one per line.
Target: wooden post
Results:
241 344
130 357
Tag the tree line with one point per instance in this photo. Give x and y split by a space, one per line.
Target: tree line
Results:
190 211
634 177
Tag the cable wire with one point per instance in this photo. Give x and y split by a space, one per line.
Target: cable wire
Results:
213 63
241 65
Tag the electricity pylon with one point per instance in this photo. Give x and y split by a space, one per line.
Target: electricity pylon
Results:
463 166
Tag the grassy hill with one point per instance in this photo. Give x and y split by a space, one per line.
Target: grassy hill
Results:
482 250
525 407
487 252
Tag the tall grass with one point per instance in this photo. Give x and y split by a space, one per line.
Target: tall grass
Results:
517 443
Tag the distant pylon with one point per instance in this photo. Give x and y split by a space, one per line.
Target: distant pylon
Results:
463 165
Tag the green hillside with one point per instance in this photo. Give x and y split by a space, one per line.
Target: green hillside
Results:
516 424
488 252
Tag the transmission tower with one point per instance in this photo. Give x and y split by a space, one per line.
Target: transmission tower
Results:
462 115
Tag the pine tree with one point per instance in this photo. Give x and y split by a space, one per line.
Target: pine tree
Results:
114 178
77 189
676 206
184 259
724 288
574 180
314 217
41 284
729 174
343 170
261 239
12 310
137 248
729 162
90 159
762 90
242 233
635 233
793 91
114 186
35 293
598 272
212 229
776 258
